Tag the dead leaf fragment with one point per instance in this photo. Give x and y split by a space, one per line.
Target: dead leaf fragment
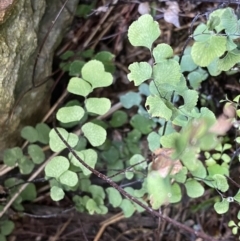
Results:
224 121
222 125
229 110
163 163
171 14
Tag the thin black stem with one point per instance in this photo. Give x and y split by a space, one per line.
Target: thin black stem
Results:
50 215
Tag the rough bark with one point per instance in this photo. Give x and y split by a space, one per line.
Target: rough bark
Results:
22 30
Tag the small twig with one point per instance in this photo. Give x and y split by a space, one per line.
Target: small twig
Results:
58 234
99 25
49 215
106 223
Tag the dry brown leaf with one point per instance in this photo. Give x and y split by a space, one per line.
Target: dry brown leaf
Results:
222 125
229 110
171 14
163 163
224 121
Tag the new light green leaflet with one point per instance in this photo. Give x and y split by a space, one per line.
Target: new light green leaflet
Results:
137 158
237 197
158 189
180 120
181 176
56 193
220 182
79 86
56 143
94 73
157 108
229 61
230 22
162 51
203 53
176 194
144 31
70 114
139 72
213 22
104 209
127 207
169 140
95 134
69 178
221 207
200 171
89 156
231 223
194 79
99 106
201 33
217 169
194 188
153 141
230 44
36 153
92 207
167 71
235 229
217 14
57 166
190 99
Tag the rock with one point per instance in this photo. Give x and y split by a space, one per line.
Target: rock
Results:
22 30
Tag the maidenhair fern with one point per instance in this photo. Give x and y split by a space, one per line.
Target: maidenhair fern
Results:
177 130
166 83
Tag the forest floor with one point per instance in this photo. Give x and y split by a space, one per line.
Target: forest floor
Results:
105 28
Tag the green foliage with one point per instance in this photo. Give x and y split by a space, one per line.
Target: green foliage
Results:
70 114
168 83
6 228
143 32
167 116
130 99
214 44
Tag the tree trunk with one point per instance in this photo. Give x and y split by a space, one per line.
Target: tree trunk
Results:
23 26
